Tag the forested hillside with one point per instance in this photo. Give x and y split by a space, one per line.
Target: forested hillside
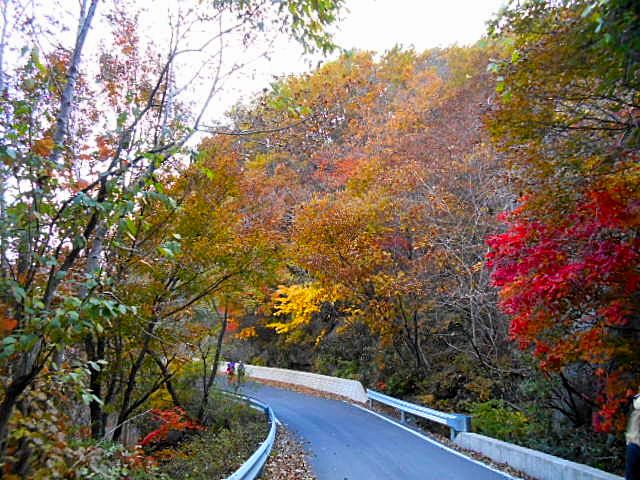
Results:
385 198
457 226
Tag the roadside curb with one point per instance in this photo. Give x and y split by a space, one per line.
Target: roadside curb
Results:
435 442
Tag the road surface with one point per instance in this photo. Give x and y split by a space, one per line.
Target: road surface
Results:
349 443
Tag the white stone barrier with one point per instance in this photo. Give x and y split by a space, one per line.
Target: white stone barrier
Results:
532 462
351 389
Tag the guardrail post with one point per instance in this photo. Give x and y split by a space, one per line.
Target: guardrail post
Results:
403 417
462 423
370 402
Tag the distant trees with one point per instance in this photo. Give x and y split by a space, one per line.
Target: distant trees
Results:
388 183
386 187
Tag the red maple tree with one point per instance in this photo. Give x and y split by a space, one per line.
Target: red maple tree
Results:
571 288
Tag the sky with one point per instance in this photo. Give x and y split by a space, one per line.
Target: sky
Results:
375 25
378 25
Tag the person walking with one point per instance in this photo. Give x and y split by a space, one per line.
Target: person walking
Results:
241 372
632 470
231 370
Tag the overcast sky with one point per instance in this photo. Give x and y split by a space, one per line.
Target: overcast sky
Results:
379 25
376 25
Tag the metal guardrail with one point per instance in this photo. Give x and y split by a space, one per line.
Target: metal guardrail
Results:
455 421
252 468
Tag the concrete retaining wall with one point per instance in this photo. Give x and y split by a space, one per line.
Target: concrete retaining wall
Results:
351 389
537 464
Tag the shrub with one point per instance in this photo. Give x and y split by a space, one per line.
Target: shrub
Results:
495 418
400 384
217 452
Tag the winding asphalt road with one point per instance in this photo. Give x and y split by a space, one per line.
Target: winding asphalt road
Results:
349 443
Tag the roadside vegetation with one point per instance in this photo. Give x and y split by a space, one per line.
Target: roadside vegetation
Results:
229 434
170 443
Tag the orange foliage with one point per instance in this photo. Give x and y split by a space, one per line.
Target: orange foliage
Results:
170 420
43 147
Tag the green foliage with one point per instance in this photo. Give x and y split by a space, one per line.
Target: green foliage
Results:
348 369
401 383
536 427
495 418
309 20
51 437
579 444
338 367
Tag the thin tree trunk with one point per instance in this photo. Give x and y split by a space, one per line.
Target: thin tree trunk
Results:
95 350
98 426
12 395
124 415
131 381
62 120
169 384
3 41
214 368
126 397
4 264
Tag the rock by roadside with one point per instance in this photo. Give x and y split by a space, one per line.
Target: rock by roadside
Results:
288 460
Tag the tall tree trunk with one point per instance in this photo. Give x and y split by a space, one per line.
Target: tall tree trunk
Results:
62 120
3 40
94 345
123 414
125 409
4 264
169 383
28 366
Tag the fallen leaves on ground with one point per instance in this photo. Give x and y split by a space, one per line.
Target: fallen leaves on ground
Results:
288 461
